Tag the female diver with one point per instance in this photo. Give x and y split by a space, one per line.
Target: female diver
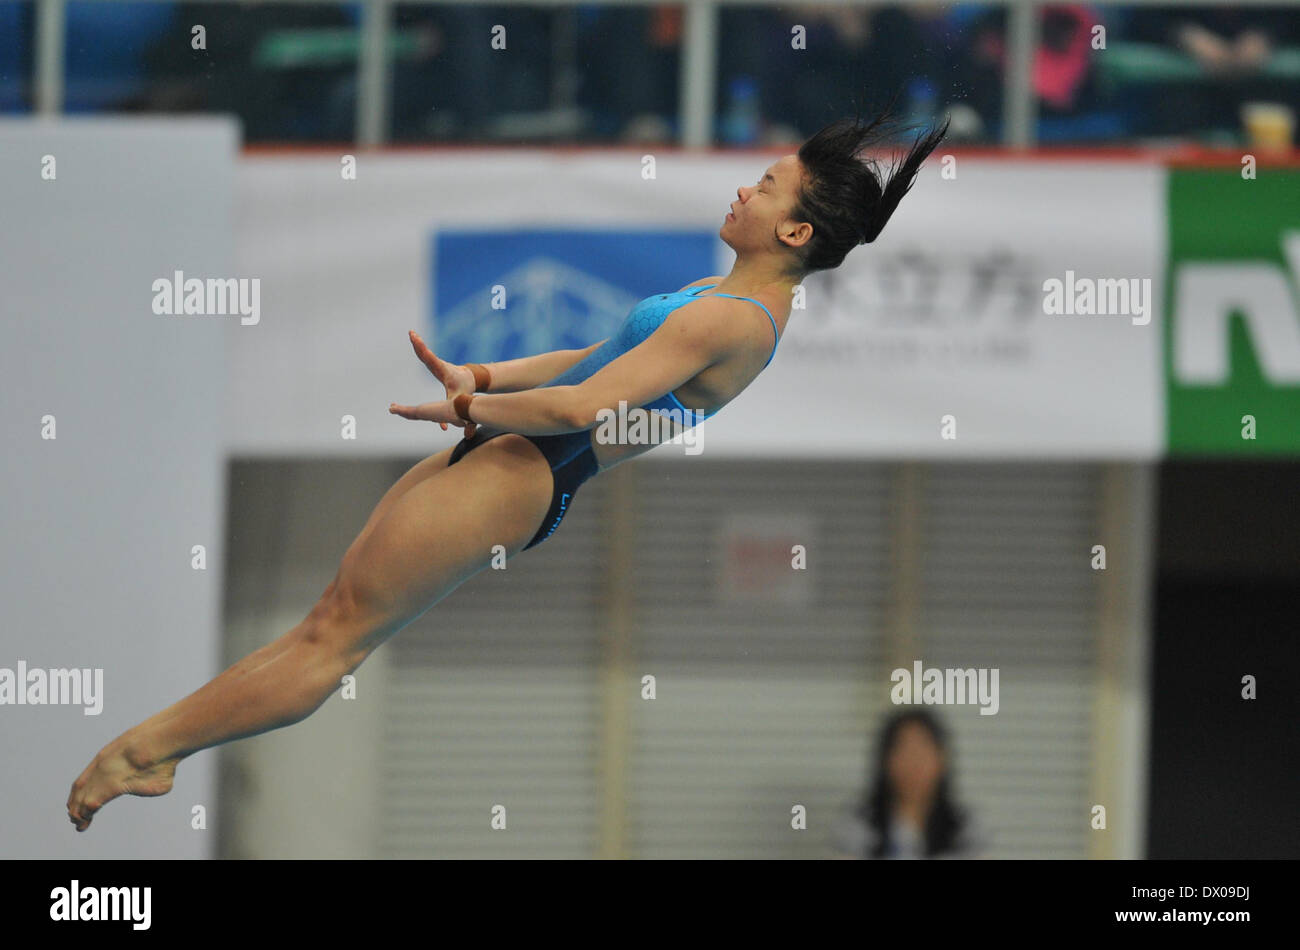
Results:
528 446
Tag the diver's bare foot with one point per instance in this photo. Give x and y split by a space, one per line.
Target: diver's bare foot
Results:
120 768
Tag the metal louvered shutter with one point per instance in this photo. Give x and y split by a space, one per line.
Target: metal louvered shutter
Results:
495 695
759 709
493 701
523 687
1007 585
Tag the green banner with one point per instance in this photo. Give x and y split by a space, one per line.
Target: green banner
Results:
1232 313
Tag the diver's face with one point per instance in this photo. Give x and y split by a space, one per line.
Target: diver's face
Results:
764 207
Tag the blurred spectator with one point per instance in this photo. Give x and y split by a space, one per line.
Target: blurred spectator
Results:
461 87
908 811
1232 46
849 49
1225 41
630 63
920 53
1064 75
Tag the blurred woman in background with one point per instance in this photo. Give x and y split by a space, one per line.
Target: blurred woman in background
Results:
908 811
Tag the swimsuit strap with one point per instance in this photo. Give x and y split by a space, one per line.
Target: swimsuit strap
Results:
751 300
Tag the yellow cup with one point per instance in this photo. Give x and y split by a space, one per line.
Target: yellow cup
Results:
1269 125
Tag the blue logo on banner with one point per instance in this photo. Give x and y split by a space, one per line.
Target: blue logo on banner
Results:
562 289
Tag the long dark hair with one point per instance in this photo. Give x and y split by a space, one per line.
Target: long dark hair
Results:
945 821
848 199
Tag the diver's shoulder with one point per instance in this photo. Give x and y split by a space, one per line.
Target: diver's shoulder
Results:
702 280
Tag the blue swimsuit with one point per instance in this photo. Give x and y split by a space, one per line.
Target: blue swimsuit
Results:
569 453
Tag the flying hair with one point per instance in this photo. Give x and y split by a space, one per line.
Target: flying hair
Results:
849 198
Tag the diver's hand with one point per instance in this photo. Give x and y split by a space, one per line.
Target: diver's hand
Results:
455 379
442 412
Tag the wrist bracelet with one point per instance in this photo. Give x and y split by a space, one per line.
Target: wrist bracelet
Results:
482 378
461 405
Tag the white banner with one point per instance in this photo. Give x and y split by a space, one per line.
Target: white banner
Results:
934 342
